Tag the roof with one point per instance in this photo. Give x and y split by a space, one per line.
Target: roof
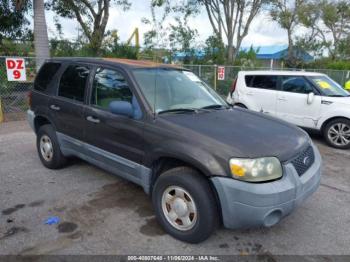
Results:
278 52
281 72
130 63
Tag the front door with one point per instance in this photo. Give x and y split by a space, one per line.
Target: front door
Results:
114 137
292 102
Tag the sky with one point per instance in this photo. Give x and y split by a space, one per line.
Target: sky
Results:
263 31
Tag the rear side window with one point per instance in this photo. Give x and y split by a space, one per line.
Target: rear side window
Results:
261 81
45 75
73 82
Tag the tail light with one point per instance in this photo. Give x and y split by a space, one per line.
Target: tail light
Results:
30 99
233 87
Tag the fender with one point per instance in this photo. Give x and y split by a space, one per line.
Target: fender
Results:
333 113
188 153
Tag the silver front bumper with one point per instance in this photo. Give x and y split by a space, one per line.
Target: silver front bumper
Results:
30 119
246 205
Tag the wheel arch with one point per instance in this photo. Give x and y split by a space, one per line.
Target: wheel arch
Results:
41 120
165 163
325 123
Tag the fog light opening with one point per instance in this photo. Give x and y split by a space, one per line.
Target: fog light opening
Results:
272 218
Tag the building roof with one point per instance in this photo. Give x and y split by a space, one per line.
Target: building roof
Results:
278 52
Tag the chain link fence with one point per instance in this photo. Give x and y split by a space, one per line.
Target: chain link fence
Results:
14 95
209 74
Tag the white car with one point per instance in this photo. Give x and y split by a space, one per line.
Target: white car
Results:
309 100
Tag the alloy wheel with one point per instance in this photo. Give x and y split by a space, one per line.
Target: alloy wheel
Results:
339 134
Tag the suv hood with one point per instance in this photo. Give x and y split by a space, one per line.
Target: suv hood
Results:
242 133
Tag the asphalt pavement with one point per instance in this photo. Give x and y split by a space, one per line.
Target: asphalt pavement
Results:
102 214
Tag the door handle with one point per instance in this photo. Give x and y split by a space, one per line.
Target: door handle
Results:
250 93
282 99
93 119
54 107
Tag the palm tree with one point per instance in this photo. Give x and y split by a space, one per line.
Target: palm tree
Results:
41 39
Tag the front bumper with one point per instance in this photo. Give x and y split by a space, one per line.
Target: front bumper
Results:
246 205
30 119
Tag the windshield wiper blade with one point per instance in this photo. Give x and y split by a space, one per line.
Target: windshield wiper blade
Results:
178 110
215 106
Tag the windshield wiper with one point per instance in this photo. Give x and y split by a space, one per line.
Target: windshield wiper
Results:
215 106
178 110
338 95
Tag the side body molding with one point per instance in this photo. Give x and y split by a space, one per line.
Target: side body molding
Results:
115 164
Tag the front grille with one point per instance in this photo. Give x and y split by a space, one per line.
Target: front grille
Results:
304 161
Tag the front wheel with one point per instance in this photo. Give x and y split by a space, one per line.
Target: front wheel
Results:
185 205
337 133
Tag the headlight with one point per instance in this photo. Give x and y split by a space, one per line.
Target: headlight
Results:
256 170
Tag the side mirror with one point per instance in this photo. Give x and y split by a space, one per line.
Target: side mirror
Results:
121 108
310 98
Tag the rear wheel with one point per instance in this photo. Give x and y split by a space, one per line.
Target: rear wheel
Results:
48 148
337 133
185 205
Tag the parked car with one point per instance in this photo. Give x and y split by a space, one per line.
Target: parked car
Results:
202 161
309 100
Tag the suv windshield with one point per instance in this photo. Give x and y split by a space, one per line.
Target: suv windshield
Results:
172 89
328 87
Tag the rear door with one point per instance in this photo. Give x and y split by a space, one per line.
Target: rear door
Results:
292 103
261 93
68 104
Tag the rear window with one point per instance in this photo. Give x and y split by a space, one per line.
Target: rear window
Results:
261 81
73 82
45 75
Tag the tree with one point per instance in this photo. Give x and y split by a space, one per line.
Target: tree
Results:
329 25
13 22
92 15
179 35
285 13
232 19
41 39
214 50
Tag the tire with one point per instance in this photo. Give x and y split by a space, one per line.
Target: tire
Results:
55 159
339 126
196 190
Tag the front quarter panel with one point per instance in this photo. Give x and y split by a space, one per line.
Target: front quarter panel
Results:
166 142
333 111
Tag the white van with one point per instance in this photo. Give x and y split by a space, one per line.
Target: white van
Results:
309 100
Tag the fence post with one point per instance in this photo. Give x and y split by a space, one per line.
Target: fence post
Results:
215 73
1 113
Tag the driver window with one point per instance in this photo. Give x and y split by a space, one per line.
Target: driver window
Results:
109 85
296 84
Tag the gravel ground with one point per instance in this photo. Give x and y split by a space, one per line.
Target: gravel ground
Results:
102 214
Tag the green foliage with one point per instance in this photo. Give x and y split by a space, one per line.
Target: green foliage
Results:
248 59
329 27
13 21
328 63
215 52
92 16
